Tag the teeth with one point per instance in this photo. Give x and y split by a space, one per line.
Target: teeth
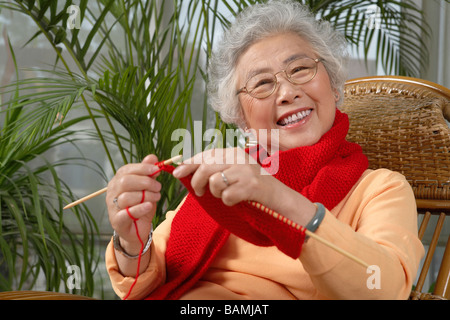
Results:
295 117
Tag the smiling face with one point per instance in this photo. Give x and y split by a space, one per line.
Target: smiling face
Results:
302 113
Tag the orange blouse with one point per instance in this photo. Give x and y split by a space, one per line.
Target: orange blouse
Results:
376 221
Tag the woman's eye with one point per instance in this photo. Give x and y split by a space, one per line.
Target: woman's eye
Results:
299 69
263 82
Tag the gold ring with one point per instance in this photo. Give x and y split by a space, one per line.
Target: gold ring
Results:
224 178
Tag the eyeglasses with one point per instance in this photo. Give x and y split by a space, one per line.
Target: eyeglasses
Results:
299 71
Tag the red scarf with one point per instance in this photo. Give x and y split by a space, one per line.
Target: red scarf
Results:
324 172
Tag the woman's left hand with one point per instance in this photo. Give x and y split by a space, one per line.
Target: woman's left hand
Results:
234 176
230 174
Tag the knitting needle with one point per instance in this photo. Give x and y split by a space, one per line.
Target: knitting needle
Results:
92 195
99 192
308 233
336 248
255 204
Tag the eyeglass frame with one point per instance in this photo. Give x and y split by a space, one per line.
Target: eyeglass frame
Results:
245 90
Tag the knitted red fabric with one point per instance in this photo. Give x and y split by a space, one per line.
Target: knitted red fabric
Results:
324 172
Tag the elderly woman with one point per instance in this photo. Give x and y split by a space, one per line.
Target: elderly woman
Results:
276 70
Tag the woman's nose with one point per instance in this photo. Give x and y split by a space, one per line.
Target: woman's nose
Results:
287 92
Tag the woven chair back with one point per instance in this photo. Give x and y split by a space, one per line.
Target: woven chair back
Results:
402 125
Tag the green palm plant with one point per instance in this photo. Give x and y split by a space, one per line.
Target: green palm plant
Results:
33 234
144 87
140 68
396 29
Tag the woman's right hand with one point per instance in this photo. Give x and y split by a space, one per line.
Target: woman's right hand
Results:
127 186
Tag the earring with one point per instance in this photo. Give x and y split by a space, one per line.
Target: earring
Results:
337 96
250 140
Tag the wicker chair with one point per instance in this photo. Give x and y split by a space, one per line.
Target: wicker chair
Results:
400 124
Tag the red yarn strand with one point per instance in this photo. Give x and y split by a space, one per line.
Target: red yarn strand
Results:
161 166
140 253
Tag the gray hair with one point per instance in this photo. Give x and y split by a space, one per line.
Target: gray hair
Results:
260 21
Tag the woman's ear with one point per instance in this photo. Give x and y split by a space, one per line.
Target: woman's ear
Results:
337 96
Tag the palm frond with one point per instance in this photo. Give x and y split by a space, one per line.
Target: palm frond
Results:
398 39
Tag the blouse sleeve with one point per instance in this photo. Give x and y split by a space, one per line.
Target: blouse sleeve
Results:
378 224
153 277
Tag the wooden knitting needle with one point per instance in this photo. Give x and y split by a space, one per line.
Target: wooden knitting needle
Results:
92 195
255 204
99 192
309 233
